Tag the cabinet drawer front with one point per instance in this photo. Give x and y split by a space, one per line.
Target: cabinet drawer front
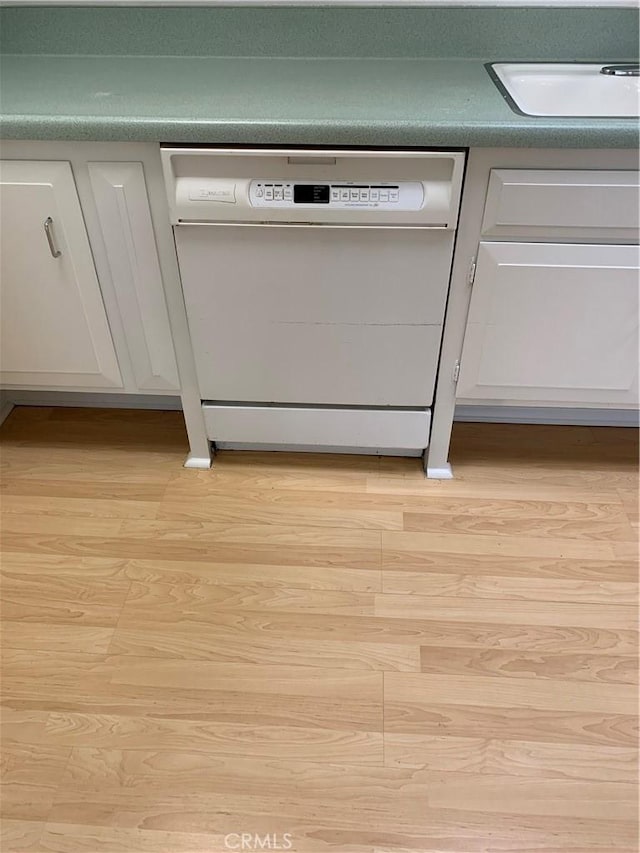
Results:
538 202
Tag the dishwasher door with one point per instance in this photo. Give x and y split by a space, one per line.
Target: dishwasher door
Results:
315 314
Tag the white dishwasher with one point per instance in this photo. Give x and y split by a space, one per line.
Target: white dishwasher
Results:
315 284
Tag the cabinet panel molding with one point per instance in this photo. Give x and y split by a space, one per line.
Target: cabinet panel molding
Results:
55 331
125 220
553 324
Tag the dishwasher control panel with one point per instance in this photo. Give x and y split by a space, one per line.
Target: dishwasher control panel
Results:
318 186
406 195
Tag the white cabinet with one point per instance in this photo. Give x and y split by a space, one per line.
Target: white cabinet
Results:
553 317
553 324
54 328
547 329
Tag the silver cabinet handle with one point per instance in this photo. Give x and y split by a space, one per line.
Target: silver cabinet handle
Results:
626 70
55 252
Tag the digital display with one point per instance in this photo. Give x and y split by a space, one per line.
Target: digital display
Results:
311 193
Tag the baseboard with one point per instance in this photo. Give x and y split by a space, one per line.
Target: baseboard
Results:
104 401
548 415
463 413
6 407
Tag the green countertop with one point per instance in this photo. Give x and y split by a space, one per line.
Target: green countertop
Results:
275 100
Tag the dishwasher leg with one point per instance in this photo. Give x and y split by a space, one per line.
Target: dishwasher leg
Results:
193 461
199 444
437 471
436 456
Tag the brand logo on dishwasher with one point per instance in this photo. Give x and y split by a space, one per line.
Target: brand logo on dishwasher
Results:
215 193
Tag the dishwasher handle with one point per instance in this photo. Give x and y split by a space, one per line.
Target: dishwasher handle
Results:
318 226
308 160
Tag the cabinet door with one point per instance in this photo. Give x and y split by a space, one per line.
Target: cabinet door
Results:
54 329
553 324
120 194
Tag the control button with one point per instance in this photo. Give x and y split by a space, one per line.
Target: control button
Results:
354 195
384 195
288 193
335 194
344 194
374 195
394 195
259 192
277 193
268 193
364 195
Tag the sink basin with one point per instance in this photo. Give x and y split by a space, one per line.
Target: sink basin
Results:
566 89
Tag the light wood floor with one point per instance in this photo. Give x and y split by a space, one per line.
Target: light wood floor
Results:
329 647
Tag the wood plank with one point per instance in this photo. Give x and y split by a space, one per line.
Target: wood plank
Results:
194 571
510 723
496 565
83 838
236 471
441 831
83 568
504 587
220 508
575 761
35 525
485 691
248 533
518 546
521 795
513 757
267 574
549 528
506 612
178 602
249 638
434 496
74 507
412 486
191 550
315 744
63 600
90 490
616 669
590 471
246 678
124 464
47 636
47 679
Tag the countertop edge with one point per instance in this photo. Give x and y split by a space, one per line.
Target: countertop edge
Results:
522 133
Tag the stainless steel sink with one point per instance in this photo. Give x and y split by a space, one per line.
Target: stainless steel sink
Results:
568 89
